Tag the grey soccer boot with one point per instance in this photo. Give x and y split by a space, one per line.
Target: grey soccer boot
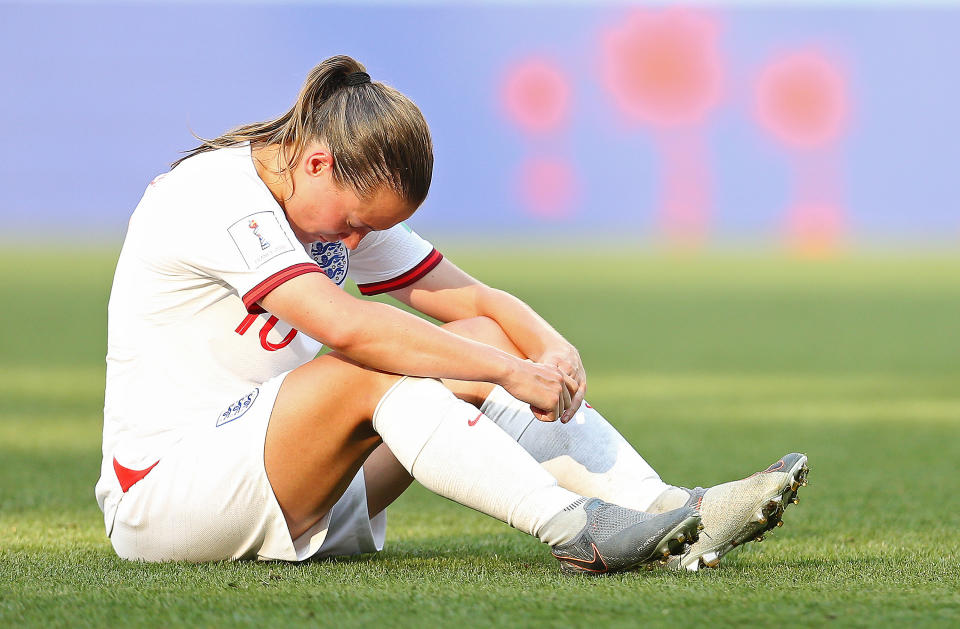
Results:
615 539
740 511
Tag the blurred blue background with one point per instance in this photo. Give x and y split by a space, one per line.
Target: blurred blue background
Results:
531 134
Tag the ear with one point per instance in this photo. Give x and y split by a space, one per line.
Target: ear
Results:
317 163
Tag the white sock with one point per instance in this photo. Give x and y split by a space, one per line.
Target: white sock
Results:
457 452
586 455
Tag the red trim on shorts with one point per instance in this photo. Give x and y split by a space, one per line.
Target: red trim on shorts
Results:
127 477
402 281
263 289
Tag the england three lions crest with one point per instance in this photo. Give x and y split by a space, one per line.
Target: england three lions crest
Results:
238 408
333 258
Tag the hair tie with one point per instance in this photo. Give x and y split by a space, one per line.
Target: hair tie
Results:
356 78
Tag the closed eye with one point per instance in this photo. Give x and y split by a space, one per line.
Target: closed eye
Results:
361 226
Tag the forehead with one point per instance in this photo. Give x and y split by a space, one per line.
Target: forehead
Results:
383 210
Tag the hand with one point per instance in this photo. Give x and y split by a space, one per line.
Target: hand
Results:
566 358
545 388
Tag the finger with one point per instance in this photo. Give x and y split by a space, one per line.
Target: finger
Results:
562 402
579 373
571 386
581 378
577 400
542 415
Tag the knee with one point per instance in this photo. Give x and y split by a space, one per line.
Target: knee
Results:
334 382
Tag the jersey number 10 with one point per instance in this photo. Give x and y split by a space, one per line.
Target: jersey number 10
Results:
272 321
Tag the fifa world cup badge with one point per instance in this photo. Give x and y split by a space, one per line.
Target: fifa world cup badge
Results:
264 243
259 237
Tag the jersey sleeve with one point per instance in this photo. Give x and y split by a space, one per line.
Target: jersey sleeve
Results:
212 220
391 259
253 251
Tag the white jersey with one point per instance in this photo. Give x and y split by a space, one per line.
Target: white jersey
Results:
185 333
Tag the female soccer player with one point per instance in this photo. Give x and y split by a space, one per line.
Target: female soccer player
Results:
225 437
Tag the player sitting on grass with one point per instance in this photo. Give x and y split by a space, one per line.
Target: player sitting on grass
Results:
225 437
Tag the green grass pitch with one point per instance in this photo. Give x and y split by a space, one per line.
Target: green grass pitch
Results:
713 366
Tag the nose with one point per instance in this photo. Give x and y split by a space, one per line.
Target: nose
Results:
353 239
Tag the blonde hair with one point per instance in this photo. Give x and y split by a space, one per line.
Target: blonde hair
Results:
376 135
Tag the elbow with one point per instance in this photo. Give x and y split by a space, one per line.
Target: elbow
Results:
342 338
489 300
339 331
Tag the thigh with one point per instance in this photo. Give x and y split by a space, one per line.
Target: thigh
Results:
319 435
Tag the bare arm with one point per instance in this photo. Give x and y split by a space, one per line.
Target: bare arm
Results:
386 338
447 293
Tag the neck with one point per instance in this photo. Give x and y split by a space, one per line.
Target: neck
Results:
266 159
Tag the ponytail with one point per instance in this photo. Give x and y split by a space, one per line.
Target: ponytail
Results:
376 135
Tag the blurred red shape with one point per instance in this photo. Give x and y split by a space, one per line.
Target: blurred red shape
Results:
547 187
536 95
663 67
684 212
802 99
815 230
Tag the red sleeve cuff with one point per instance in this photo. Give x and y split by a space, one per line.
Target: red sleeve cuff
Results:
262 289
402 281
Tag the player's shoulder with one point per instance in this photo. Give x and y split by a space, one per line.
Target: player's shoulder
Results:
218 172
385 256
202 203
208 186
379 240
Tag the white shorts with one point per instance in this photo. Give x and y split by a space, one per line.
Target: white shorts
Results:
209 499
